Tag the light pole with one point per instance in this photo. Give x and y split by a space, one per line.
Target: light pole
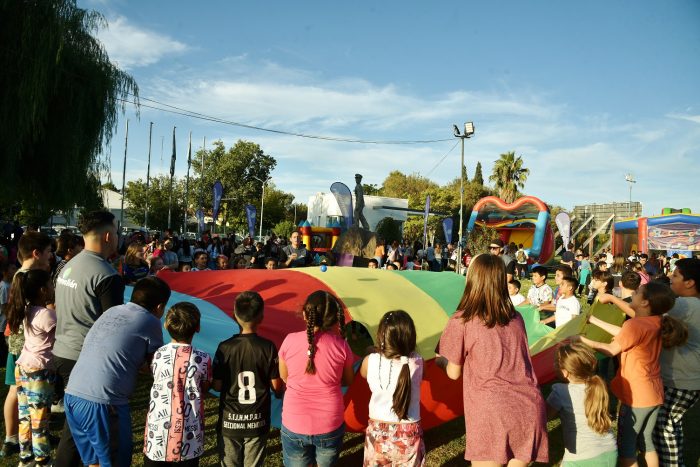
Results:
630 179
468 132
262 202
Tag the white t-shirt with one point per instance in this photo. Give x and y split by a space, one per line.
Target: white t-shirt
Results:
382 376
567 308
517 299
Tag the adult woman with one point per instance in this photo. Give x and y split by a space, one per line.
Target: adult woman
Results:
504 412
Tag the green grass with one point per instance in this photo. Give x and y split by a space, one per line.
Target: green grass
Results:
444 444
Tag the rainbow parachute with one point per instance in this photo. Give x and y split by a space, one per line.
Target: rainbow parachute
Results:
366 294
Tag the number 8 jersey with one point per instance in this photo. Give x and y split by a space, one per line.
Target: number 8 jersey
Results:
245 364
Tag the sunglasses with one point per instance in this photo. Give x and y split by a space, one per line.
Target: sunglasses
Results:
494 248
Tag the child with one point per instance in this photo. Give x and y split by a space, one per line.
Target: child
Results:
540 293
7 272
245 368
181 378
504 411
582 405
31 291
315 364
637 383
271 264
394 435
601 282
185 267
514 292
562 271
680 366
568 305
201 258
584 271
629 283
373 263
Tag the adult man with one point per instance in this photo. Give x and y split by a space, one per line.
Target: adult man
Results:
295 254
567 257
496 248
358 219
521 257
86 288
97 397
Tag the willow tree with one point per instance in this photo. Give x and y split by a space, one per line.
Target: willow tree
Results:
509 176
60 97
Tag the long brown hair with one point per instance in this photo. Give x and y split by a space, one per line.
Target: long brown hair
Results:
486 292
322 310
396 337
579 360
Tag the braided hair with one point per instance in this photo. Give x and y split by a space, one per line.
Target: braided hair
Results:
321 310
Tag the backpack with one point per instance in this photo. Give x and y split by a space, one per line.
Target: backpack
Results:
520 256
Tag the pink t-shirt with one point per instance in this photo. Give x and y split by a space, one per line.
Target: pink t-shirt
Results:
313 404
39 336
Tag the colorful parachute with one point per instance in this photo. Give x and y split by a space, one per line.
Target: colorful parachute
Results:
366 294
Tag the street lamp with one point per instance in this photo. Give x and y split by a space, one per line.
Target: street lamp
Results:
630 179
468 132
262 201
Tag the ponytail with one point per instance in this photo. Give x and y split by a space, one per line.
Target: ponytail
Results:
24 292
596 405
402 393
16 309
674 333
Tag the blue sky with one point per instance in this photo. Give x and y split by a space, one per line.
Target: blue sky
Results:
585 92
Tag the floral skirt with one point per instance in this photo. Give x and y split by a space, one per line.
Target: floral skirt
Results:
394 444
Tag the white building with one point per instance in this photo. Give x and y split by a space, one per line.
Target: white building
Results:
324 210
113 203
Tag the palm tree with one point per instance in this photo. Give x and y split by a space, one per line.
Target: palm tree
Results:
509 175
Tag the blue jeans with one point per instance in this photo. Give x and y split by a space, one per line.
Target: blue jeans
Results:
302 450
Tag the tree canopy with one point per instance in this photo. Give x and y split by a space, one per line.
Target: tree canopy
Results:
59 101
509 176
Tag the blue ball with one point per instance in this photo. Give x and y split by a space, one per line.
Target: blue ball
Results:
324 268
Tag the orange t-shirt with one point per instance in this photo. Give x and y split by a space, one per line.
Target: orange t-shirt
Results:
638 381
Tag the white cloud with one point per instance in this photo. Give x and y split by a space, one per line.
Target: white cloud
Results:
574 157
131 46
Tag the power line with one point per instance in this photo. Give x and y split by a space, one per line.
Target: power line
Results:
189 113
443 158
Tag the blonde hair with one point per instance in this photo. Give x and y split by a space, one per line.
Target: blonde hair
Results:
580 362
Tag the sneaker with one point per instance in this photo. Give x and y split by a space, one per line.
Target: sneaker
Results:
58 407
9 449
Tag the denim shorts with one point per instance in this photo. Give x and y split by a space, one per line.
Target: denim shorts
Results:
302 450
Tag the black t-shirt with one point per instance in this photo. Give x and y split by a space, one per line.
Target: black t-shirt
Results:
510 264
245 364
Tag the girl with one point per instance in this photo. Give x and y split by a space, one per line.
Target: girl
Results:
314 364
582 405
135 266
637 383
30 292
504 412
680 366
394 435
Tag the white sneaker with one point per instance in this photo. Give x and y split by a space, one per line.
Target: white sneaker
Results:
58 407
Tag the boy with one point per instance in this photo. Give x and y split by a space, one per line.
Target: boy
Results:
373 264
117 345
201 258
568 305
514 292
540 293
629 283
246 366
181 377
562 271
271 264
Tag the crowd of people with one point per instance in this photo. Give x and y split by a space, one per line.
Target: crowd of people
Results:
71 338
